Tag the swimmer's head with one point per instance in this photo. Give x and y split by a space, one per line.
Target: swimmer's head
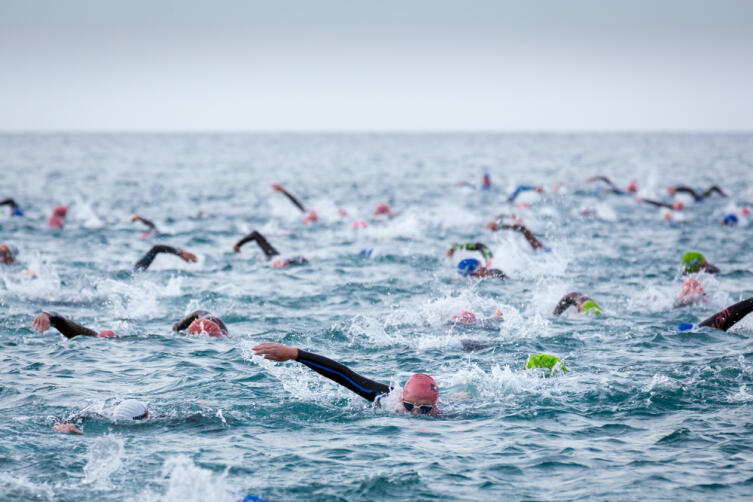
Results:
465 317
106 334
730 220
130 409
468 266
590 307
692 261
632 187
279 263
487 181
204 325
359 224
686 326
420 394
692 287
678 205
60 211
672 191
546 361
311 217
382 209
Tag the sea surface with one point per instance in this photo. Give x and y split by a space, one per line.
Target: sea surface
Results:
643 412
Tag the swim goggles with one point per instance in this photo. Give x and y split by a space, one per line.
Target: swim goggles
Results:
424 408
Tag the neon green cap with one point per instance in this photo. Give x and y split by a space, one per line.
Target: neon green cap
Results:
692 261
591 307
545 361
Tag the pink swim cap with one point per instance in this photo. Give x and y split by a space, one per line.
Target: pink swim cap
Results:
106 334
311 217
360 224
382 209
278 263
422 386
465 316
678 205
632 187
201 325
61 211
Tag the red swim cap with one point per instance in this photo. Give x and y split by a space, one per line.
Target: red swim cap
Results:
465 316
632 187
106 334
382 209
61 211
678 205
421 386
203 325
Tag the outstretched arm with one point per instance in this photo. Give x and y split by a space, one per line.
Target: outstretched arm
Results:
713 189
266 247
567 301
367 389
278 188
655 203
728 317
148 258
148 223
471 246
67 328
532 240
688 190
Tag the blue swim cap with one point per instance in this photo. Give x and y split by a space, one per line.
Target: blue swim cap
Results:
16 212
251 498
686 326
730 219
366 252
468 266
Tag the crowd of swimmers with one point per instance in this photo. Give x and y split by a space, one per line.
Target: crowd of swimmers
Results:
420 393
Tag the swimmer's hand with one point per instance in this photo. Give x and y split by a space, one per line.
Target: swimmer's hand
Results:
66 428
187 257
41 322
450 252
236 248
135 218
493 226
277 187
498 313
275 351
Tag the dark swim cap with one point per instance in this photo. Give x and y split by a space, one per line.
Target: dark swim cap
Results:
468 266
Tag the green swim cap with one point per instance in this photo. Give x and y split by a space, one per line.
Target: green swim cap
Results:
545 361
591 307
692 261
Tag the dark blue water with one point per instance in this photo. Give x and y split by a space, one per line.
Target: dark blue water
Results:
643 413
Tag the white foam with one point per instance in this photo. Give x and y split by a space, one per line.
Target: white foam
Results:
103 458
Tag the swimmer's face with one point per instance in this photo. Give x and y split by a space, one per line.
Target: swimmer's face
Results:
418 404
420 395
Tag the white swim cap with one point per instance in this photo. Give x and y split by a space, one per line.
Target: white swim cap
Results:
130 409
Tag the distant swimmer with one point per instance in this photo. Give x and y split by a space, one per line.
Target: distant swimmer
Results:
673 190
7 254
384 210
724 319
148 258
201 321
269 251
631 188
66 327
125 411
57 219
419 396
309 216
532 240
693 262
14 209
471 266
581 302
692 294
486 183
675 206
524 188
152 228
468 317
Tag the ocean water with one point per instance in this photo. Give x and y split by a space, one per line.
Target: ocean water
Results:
643 413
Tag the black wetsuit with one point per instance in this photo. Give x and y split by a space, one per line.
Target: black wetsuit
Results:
532 240
569 300
474 246
612 187
728 317
267 248
657 203
148 258
68 328
367 389
696 196
294 200
148 223
199 314
13 206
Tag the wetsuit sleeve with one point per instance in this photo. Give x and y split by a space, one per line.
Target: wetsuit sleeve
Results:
67 328
8 202
267 248
657 203
294 201
148 223
367 389
517 191
690 191
532 240
474 246
713 189
148 258
186 321
728 317
566 302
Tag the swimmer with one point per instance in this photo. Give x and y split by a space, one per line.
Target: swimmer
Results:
473 246
582 304
7 254
201 321
151 226
127 410
675 206
468 317
66 327
14 209
725 319
524 188
57 218
693 262
631 188
532 240
471 267
692 294
486 183
148 258
269 251
673 190
309 217
420 393
384 210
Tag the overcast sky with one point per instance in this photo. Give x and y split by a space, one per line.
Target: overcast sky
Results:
313 65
